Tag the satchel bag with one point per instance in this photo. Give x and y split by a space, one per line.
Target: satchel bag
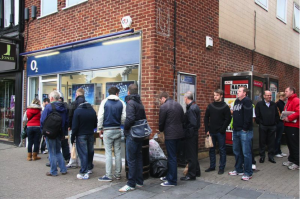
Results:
208 142
24 132
73 152
140 129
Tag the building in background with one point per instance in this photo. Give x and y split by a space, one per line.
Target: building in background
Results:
171 46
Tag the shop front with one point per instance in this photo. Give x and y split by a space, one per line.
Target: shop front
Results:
94 64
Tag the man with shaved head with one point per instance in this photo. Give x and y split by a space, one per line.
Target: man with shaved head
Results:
266 117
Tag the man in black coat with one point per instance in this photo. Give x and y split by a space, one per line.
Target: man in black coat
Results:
191 127
170 122
217 119
266 117
134 111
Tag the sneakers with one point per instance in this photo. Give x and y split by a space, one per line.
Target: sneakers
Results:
235 173
81 176
106 179
126 188
139 185
279 156
163 179
294 167
283 154
117 177
287 163
90 171
71 166
167 184
253 167
45 152
246 178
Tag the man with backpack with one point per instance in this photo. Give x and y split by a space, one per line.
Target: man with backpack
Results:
54 120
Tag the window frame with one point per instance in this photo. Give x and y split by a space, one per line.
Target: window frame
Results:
70 6
266 7
296 6
50 13
284 20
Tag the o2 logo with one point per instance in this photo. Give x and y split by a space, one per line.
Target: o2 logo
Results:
33 66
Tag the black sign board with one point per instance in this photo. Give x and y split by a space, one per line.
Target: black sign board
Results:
7 52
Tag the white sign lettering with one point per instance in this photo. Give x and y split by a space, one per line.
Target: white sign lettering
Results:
33 66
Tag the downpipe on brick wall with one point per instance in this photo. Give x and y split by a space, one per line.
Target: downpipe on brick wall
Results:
174 49
252 67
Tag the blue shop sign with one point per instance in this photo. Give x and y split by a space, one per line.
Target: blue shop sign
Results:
115 52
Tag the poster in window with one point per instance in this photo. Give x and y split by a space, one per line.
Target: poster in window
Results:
273 89
89 92
186 82
257 90
122 86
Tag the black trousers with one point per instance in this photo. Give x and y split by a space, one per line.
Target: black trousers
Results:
292 139
267 138
65 149
191 149
43 145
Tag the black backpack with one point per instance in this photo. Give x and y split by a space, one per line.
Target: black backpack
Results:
52 124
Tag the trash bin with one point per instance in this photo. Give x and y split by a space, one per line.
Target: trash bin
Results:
146 160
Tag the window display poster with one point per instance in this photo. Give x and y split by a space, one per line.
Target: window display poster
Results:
232 86
89 92
12 102
257 90
186 83
45 96
273 89
122 86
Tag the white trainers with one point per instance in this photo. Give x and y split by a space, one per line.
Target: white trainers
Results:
283 154
235 173
279 156
126 188
253 167
90 171
287 163
163 179
83 176
246 178
294 167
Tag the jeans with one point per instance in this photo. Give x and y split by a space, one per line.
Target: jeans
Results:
134 161
242 149
33 134
292 139
192 156
220 138
55 156
112 138
279 131
85 149
171 146
266 137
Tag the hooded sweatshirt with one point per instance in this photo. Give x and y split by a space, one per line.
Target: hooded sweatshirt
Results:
292 105
243 114
32 115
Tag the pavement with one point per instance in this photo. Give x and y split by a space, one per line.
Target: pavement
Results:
27 179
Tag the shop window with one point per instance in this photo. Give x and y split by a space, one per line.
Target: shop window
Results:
48 7
70 3
262 3
11 13
281 10
33 84
296 22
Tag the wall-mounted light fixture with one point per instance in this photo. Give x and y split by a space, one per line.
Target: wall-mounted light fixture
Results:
33 12
26 14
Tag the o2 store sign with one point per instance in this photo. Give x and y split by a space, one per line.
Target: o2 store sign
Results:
34 66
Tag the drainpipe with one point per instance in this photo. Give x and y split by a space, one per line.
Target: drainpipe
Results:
174 49
252 67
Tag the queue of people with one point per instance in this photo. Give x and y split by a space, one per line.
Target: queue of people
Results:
80 120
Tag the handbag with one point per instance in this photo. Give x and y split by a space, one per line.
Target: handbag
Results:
24 132
208 142
140 129
73 152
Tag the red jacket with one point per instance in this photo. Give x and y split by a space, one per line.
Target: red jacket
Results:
292 105
33 116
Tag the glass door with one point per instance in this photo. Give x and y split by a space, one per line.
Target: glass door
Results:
48 84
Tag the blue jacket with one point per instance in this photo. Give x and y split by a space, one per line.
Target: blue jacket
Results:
84 121
62 109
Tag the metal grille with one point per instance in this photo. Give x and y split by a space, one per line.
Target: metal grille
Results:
163 17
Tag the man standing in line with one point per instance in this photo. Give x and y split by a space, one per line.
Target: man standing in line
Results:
242 135
54 145
266 117
171 118
191 127
134 111
217 119
291 128
112 113
73 163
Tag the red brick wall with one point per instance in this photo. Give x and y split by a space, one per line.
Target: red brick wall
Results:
195 20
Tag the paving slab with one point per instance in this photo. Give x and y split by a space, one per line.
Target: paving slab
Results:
242 193
212 191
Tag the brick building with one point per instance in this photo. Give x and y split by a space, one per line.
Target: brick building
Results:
74 43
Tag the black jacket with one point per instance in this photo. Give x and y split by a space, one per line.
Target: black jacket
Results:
267 116
79 99
243 115
171 118
84 121
217 117
134 111
191 119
